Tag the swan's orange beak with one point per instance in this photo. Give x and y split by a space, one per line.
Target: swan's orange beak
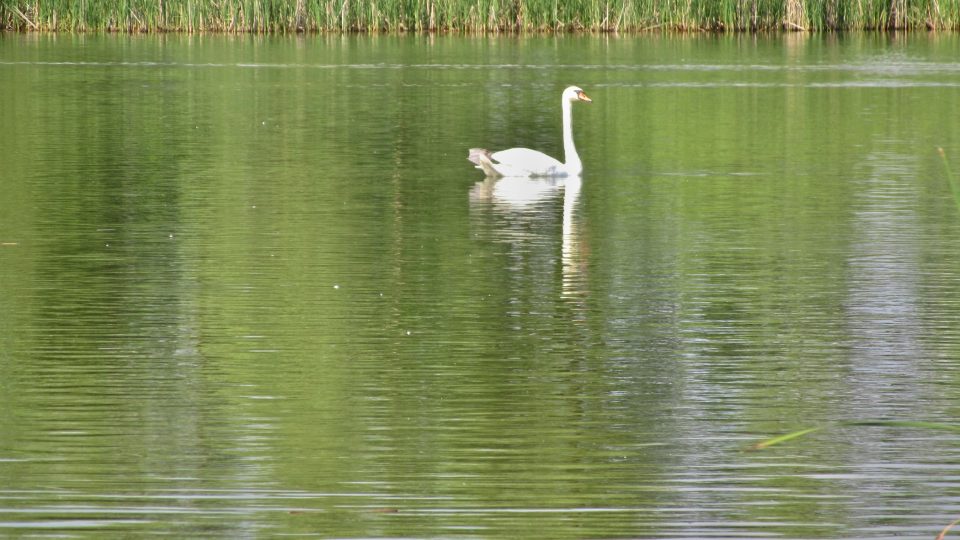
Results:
583 97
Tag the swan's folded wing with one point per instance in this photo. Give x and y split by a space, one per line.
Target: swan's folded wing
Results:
527 162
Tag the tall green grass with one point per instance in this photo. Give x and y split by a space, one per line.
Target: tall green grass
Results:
474 15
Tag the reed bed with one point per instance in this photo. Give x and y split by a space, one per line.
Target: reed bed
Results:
475 16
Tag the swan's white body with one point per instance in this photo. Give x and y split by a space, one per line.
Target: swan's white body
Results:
526 162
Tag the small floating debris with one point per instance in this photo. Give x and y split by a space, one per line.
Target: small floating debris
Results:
9 244
335 286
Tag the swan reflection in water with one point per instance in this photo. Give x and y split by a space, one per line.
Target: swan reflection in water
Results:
571 253
523 213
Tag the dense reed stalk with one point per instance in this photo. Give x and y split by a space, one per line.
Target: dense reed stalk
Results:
474 15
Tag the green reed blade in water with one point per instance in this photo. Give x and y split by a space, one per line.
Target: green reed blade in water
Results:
916 424
784 438
913 424
946 529
954 185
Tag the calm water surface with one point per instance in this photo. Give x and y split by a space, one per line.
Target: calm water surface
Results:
252 288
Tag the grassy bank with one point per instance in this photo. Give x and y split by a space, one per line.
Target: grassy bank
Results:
475 15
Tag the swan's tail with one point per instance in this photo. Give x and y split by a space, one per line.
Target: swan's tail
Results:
481 158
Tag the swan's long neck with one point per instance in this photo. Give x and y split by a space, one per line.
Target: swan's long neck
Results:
571 158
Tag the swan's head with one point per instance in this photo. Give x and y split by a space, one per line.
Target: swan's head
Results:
574 93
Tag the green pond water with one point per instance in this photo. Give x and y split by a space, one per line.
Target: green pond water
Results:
252 288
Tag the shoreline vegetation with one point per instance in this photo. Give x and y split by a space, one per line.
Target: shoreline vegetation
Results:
475 16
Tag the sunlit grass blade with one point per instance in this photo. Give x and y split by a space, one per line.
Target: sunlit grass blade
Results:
913 424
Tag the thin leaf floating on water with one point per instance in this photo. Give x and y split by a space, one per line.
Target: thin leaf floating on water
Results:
954 184
784 438
913 424
946 529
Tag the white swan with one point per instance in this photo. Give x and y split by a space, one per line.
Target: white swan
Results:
527 162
